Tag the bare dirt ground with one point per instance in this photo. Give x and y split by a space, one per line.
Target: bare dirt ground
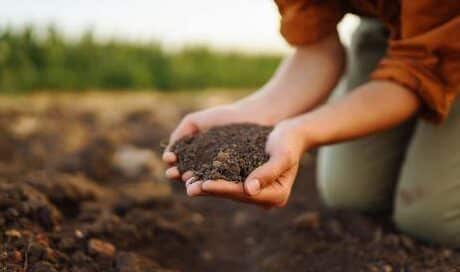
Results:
81 189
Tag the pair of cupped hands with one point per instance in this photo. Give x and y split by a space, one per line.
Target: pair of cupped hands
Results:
268 185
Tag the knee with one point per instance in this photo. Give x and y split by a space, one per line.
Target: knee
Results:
343 193
429 220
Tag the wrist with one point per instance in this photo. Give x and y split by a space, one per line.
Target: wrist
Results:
306 136
258 110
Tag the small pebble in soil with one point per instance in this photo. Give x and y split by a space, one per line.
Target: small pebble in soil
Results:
229 152
79 234
13 233
309 220
99 247
387 268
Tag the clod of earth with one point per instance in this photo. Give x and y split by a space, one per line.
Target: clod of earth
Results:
96 246
13 233
229 152
309 220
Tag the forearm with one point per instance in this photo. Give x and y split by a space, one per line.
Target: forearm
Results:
373 107
302 81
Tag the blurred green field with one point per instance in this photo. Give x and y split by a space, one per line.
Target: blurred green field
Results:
47 61
118 100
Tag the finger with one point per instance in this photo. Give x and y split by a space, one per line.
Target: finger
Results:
277 194
187 175
190 181
169 157
269 197
172 173
274 195
185 127
265 174
194 189
223 188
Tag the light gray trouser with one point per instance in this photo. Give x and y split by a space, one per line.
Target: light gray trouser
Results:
417 162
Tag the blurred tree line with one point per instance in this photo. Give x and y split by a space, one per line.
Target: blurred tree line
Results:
31 62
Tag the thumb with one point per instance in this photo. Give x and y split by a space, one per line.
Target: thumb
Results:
265 174
186 127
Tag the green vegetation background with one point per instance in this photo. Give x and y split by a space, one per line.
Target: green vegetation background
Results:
50 62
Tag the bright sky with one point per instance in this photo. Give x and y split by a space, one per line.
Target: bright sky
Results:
238 24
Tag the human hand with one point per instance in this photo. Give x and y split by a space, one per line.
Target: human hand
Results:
268 185
205 119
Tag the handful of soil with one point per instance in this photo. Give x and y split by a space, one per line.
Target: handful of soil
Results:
229 152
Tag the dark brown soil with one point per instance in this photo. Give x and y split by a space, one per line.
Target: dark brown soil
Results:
60 213
228 152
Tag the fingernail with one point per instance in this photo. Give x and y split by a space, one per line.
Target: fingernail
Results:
191 180
194 189
187 175
171 172
168 156
253 186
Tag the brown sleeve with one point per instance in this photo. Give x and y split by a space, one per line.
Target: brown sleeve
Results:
426 56
307 21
